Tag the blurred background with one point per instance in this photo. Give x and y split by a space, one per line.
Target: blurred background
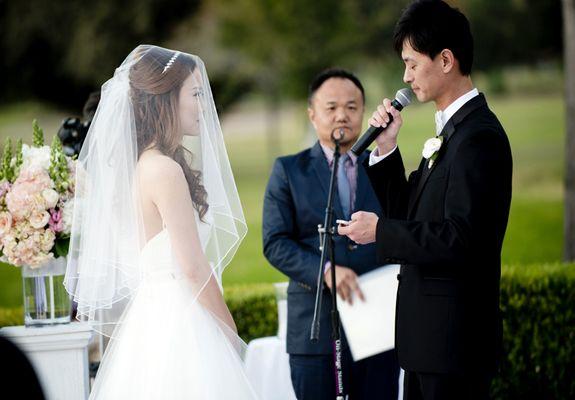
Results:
260 56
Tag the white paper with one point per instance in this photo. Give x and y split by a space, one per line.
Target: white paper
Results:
370 325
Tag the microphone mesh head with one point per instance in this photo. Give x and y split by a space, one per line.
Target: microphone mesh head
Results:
404 96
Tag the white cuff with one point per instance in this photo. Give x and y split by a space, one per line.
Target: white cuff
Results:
374 156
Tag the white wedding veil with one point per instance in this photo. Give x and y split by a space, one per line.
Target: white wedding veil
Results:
138 106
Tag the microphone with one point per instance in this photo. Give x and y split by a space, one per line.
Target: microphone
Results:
402 99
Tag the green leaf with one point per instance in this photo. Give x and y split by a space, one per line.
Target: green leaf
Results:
7 168
38 134
61 247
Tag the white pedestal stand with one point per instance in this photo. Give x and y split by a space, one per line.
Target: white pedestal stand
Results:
59 355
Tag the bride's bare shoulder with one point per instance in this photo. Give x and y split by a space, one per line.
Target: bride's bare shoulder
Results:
158 168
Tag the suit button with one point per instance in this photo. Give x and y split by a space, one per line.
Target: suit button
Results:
351 247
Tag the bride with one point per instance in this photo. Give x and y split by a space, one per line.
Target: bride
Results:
157 218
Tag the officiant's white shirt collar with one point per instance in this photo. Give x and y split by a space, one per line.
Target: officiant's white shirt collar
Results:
441 117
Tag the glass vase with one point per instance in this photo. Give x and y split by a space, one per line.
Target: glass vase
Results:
46 301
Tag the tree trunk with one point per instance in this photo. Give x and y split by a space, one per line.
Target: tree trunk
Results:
569 56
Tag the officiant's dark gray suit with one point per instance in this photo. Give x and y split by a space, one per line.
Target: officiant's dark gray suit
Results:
294 205
445 225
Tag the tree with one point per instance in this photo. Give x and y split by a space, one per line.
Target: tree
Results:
61 50
569 54
285 43
511 32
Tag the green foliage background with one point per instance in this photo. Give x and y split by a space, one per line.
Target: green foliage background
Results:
59 51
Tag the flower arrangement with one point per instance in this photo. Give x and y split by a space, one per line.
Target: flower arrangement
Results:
36 201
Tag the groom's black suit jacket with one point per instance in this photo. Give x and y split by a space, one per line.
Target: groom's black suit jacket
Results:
445 226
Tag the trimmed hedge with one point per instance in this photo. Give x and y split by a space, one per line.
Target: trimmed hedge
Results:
254 309
11 316
538 305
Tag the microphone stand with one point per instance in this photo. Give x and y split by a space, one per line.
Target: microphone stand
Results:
326 234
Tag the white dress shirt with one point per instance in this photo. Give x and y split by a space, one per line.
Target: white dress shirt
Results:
441 117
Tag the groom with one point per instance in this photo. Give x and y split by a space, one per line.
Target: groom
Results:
444 224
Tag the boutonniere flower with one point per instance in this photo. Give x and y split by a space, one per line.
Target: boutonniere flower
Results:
431 149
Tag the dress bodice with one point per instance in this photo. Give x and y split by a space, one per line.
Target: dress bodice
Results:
157 258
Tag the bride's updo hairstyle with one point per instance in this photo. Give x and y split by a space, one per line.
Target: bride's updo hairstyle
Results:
155 83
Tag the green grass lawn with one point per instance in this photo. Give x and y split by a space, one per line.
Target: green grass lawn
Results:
536 131
535 126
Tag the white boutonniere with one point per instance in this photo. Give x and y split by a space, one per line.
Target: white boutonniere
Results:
431 149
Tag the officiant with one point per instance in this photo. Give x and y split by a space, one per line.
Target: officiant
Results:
294 205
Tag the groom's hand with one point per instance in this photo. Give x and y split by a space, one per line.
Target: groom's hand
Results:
345 282
387 140
361 228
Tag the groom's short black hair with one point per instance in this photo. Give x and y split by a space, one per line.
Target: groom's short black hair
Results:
430 26
333 73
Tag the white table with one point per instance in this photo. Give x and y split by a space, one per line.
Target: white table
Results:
267 367
59 355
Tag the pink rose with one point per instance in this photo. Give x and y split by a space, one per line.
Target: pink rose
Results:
8 242
25 197
40 219
33 250
46 240
22 229
5 222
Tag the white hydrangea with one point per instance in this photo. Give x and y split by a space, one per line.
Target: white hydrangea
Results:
35 157
67 216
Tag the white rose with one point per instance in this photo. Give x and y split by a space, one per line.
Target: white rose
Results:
430 147
36 157
40 219
51 197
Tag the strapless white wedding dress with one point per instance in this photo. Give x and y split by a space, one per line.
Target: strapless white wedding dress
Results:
168 347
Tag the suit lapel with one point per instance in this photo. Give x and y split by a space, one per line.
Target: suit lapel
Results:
425 172
447 132
323 174
416 181
363 183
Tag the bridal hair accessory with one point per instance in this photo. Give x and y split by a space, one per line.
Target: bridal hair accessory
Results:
169 64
